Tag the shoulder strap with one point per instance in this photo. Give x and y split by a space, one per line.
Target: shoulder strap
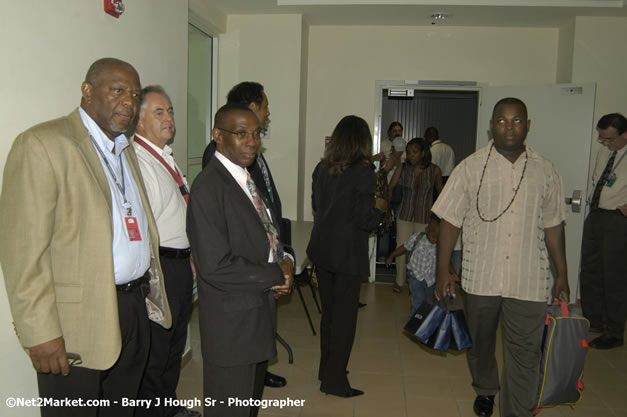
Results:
175 174
413 248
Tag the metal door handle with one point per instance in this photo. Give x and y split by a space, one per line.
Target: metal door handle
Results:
575 201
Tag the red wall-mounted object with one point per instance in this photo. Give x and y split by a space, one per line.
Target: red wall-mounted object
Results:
114 7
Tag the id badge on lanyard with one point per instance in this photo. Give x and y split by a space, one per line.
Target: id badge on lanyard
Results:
132 228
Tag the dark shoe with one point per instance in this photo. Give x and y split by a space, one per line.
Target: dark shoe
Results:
360 304
606 342
352 392
355 392
483 405
274 381
184 412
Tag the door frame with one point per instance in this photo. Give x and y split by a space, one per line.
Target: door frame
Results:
381 85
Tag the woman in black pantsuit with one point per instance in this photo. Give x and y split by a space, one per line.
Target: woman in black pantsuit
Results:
345 212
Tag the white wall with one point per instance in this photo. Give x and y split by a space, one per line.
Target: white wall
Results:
267 49
46 49
345 61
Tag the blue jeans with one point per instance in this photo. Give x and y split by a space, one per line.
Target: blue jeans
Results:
420 292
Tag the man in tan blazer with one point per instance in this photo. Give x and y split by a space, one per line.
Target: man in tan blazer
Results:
78 248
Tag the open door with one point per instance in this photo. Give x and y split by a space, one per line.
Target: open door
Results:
561 129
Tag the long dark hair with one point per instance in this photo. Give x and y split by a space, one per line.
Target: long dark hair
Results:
424 146
351 144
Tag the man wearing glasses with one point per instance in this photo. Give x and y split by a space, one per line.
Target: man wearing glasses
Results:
241 266
603 261
252 95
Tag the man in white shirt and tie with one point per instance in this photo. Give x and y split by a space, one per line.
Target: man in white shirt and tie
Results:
168 194
603 262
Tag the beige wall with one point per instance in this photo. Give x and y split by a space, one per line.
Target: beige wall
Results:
208 17
267 49
565 50
46 50
599 56
345 61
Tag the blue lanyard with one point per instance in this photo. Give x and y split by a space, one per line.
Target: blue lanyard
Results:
121 186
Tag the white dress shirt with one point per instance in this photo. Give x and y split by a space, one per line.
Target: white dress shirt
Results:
443 156
167 202
241 176
616 194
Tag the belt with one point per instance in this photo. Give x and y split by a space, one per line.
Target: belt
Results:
134 284
174 253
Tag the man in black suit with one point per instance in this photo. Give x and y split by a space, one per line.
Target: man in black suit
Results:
241 266
252 95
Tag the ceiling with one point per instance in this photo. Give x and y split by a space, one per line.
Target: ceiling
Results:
531 13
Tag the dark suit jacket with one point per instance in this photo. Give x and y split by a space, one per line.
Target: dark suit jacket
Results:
230 247
344 216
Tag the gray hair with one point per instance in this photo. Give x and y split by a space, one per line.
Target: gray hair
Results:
156 89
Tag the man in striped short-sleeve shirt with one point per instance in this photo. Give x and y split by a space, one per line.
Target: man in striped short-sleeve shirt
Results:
510 201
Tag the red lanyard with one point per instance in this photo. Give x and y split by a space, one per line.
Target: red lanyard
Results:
175 174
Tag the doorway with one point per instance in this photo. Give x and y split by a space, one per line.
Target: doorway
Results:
454 112
200 96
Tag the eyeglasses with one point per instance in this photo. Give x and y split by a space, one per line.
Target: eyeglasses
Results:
603 140
257 134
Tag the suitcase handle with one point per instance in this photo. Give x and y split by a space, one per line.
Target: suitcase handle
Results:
564 307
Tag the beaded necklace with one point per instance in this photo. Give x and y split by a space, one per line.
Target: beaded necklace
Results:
515 191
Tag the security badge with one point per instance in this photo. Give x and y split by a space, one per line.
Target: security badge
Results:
132 228
611 180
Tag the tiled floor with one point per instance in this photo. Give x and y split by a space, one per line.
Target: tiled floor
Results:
399 376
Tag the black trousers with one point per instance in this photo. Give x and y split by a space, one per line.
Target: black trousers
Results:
167 345
339 295
114 384
604 271
234 383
